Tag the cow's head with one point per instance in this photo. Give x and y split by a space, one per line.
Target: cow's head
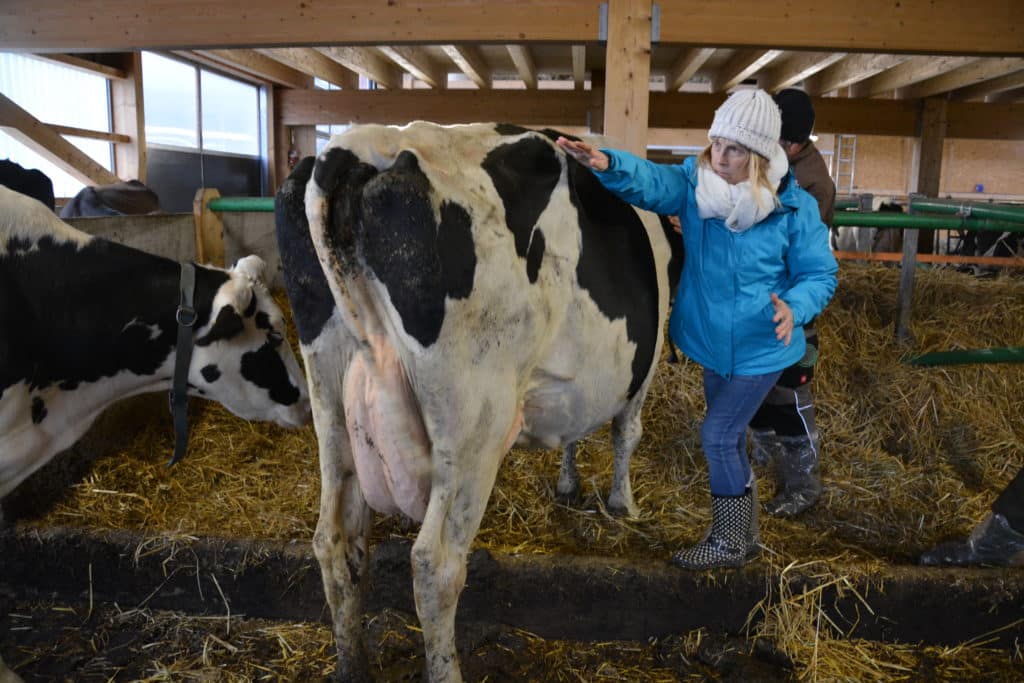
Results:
241 357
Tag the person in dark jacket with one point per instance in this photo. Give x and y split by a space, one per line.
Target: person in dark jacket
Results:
758 268
998 540
783 431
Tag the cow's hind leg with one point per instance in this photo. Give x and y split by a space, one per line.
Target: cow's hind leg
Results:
340 542
626 432
464 474
568 489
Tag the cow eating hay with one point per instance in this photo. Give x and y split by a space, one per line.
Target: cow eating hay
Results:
458 290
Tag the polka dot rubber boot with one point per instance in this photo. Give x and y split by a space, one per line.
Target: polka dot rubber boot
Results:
732 540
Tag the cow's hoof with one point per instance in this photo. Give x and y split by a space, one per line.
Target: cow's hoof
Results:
571 498
626 510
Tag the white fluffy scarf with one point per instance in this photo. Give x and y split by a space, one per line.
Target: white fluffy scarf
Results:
736 203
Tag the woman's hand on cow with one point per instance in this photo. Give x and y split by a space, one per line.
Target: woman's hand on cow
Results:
784 317
590 157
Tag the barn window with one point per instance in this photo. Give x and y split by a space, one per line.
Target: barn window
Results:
325 131
202 130
57 95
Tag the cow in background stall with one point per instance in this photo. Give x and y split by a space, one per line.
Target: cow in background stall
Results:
85 322
458 290
129 198
30 182
870 240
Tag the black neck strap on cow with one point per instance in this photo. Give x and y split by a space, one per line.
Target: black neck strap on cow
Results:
186 317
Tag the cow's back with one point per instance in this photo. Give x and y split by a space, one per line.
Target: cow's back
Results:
484 243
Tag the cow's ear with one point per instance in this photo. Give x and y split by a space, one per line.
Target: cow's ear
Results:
252 267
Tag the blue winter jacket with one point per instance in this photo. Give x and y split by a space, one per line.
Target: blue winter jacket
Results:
722 316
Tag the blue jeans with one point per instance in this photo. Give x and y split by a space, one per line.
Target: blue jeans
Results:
731 404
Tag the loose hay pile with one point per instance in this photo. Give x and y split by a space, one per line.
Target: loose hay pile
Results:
911 456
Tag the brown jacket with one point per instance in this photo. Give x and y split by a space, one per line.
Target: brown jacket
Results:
812 175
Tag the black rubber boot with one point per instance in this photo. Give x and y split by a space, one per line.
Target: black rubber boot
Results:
993 542
733 538
796 475
764 446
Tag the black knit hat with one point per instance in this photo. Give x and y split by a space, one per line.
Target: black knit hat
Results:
797 114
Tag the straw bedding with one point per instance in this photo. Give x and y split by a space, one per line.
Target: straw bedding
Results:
911 456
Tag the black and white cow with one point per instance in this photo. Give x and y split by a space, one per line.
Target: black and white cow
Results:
481 290
85 322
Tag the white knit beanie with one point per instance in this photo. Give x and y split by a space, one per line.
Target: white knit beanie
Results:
751 118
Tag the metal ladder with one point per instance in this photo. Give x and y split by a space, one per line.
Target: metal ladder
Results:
845 160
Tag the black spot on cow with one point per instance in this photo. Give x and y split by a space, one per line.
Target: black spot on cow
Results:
78 322
227 325
419 261
38 410
308 292
263 321
263 367
616 264
211 373
510 129
525 174
251 308
535 255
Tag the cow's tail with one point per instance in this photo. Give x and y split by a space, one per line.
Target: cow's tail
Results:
332 205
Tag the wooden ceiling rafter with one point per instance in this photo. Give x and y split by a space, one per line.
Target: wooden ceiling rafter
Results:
791 70
975 73
524 63
579 66
368 63
416 61
741 66
471 63
689 61
849 70
986 89
314 63
914 70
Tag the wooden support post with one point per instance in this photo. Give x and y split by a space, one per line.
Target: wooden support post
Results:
628 65
209 229
928 151
128 115
595 109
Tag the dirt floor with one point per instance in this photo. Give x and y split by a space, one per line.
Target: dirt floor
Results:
51 641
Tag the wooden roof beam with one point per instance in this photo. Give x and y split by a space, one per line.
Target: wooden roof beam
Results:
1013 95
579 66
471 63
86 65
418 62
366 62
521 57
741 66
257 65
689 61
316 64
992 87
970 74
796 68
30 131
850 70
912 71
982 27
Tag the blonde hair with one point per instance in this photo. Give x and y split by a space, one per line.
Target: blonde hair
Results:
757 167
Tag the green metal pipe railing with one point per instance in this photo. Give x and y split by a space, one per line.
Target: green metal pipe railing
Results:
1001 212
242 204
917 221
1007 354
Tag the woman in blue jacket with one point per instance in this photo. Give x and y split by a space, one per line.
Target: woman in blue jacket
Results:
758 268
